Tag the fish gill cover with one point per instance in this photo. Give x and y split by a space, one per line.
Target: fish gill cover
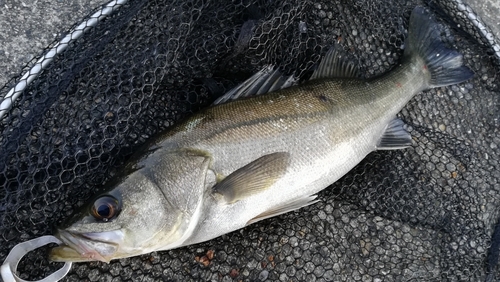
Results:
425 213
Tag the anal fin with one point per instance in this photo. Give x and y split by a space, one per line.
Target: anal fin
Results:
395 137
288 207
253 178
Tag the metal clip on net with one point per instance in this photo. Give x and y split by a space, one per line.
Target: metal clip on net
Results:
9 266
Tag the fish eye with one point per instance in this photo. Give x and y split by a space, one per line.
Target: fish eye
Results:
105 208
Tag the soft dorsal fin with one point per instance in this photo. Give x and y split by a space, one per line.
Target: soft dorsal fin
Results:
253 178
394 137
288 207
267 80
335 64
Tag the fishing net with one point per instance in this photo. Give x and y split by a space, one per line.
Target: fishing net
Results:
134 68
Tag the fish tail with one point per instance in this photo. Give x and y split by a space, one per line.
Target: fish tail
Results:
444 65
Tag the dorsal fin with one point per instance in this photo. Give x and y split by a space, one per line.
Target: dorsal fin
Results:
268 79
335 64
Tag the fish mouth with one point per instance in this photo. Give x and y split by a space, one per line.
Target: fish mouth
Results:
81 247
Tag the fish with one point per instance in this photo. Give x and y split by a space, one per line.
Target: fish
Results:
265 148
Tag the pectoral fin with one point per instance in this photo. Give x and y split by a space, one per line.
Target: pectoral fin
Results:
395 137
288 207
253 178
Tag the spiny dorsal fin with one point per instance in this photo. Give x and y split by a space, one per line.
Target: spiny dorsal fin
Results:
267 80
394 137
253 178
335 64
288 207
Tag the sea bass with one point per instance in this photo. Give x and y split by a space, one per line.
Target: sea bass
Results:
247 159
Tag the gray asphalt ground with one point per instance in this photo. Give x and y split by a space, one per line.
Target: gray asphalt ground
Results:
489 11
28 26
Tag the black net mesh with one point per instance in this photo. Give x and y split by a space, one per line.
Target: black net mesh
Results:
426 213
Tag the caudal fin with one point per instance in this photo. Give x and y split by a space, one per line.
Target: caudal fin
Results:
445 65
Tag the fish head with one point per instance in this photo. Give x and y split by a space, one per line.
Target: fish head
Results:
132 219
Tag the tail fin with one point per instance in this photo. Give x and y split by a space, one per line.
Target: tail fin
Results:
445 65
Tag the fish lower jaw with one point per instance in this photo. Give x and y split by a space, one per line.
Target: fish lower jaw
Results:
82 247
65 253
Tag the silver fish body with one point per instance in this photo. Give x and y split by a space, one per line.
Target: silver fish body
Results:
327 127
245 160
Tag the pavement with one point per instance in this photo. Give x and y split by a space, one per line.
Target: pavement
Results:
489 11
29 26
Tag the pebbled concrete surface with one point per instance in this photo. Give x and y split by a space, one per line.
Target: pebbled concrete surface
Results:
489 11
28 26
